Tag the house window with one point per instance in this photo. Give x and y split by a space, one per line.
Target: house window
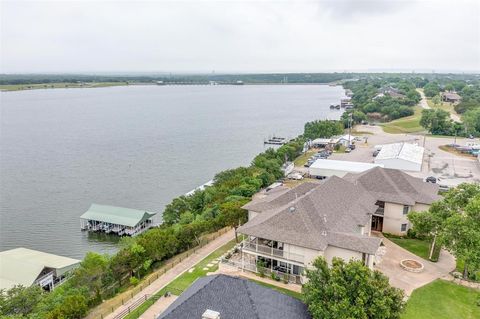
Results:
403 227
406 209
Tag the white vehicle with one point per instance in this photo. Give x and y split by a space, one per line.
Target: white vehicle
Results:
295 176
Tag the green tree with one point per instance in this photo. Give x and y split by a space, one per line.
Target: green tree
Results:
436 121
324 128
73 307
471 121
91 273
455 223
350 290
436 100
20 300
431 89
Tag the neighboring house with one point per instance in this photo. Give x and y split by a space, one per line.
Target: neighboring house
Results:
289 229
402 156
26 267
225 297
326 168
451 97
397 194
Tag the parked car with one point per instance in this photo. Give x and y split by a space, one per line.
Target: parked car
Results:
431 179
295 176
348 150
375 153
352 146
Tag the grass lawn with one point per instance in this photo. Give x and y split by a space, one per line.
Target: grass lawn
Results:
415 246
302 159
442 299
409 124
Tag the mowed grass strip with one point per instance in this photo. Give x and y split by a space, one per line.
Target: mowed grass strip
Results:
409 124
443 300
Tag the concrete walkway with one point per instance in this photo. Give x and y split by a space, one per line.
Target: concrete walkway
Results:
158 307
177 270
408 281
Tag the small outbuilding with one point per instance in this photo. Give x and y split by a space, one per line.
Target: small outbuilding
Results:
26 267
326 168
403 156
117 220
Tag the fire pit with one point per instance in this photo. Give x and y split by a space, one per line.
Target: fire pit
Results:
411 265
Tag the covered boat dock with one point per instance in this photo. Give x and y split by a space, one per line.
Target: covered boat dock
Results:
117 220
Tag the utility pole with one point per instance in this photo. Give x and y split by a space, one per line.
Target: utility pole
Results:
350 118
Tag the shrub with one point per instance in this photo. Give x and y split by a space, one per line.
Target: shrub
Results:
134 281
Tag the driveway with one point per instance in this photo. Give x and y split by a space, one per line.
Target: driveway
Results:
423 102
408 281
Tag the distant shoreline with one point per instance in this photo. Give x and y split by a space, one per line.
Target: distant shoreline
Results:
92 85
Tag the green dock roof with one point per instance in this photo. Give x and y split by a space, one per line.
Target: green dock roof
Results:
116 215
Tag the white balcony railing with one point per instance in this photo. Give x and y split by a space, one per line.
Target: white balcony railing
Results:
253 246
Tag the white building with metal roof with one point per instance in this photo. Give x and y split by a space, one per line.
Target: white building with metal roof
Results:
404 156
327 168
26 267
117 220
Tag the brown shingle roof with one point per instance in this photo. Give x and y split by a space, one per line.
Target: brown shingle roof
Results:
395 186
328 214
279 197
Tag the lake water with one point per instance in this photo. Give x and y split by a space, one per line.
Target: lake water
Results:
131 146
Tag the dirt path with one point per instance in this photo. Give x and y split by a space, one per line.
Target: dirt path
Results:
423 102
177 270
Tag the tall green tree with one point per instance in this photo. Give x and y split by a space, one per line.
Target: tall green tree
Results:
20 300
92 272
350 290
454 222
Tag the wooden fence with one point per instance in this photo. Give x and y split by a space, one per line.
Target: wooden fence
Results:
109 306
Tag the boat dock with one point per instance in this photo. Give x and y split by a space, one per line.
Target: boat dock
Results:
116 220
275 140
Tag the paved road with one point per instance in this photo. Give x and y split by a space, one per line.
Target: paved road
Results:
450 168
178 270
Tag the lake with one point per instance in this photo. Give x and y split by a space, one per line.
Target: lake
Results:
131 146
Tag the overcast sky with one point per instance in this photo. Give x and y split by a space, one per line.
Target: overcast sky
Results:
239 36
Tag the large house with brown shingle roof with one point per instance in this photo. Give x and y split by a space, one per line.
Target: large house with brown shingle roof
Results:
289 228
397 194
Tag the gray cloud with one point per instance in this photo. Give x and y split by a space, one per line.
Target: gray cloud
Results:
238 36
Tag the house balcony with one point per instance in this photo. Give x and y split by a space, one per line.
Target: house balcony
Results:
265 250
380 211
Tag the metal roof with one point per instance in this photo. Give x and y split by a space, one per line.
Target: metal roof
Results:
22 266
348 166
116 215
404 151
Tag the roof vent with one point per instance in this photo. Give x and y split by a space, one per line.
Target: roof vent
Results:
324 233
292 209
210 314
325 218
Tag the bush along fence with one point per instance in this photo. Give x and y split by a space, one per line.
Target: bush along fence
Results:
109 306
